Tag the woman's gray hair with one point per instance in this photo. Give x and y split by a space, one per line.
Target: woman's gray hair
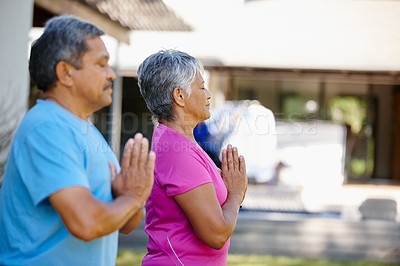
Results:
64 39
160 73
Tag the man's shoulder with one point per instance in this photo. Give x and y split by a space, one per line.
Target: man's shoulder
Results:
44 119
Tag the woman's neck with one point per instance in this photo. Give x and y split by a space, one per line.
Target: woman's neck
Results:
185 130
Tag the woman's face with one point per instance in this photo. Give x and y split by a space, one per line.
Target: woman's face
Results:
197 106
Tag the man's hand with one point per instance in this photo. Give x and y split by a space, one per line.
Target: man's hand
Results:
88 218
137 170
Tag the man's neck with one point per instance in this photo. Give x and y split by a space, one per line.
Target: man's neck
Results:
66 102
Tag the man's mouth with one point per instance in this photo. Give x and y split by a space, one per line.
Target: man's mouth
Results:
109 85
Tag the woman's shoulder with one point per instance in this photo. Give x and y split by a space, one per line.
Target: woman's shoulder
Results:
166 137
171 145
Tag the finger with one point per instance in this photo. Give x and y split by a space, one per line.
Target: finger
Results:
126 157
143 153
235 158
150 165
242 165
113 170
137 143
224 162
229 157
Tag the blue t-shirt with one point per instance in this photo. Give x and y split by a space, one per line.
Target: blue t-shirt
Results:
52 150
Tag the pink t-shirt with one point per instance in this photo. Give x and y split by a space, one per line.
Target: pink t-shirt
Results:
180 166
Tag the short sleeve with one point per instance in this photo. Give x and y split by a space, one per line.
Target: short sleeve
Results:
179 172
49 160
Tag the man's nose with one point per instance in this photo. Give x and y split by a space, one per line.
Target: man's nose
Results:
111 74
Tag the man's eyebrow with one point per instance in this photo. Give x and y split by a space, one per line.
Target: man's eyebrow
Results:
105 56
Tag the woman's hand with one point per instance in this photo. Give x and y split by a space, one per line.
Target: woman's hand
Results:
234 172
214 224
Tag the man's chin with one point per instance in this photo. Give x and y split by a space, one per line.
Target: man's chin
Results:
108 99
106 102
109 102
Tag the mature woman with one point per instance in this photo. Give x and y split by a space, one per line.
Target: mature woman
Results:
193 207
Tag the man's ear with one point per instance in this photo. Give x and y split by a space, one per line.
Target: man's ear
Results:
63 72
179 96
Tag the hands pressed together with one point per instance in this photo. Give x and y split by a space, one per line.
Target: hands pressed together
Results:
137 170
233 172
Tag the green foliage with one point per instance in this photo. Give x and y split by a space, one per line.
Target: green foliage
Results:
357 167
350 110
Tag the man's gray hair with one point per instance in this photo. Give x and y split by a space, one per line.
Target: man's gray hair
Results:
64 39
160 73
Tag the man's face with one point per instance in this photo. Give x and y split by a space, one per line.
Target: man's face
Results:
93 82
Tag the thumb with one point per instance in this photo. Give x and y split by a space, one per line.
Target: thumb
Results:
113 170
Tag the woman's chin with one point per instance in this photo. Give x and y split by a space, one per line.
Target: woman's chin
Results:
207 117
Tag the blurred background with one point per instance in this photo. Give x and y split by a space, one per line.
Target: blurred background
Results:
309 91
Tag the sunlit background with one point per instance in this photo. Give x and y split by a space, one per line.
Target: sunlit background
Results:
308 90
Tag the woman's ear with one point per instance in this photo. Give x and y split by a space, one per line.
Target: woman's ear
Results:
179 96
63 72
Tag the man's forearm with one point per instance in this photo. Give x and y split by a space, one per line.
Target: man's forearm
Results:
88 218
132 223
122 213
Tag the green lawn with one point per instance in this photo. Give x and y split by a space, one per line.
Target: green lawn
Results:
129 258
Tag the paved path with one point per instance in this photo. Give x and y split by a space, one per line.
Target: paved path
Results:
343 200
336 231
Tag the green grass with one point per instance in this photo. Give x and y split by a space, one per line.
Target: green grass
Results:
131 258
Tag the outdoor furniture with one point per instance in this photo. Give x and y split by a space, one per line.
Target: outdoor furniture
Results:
379 209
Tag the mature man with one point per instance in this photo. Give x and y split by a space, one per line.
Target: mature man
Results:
62 201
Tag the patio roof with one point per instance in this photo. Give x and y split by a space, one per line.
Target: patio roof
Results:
152 15
118 17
